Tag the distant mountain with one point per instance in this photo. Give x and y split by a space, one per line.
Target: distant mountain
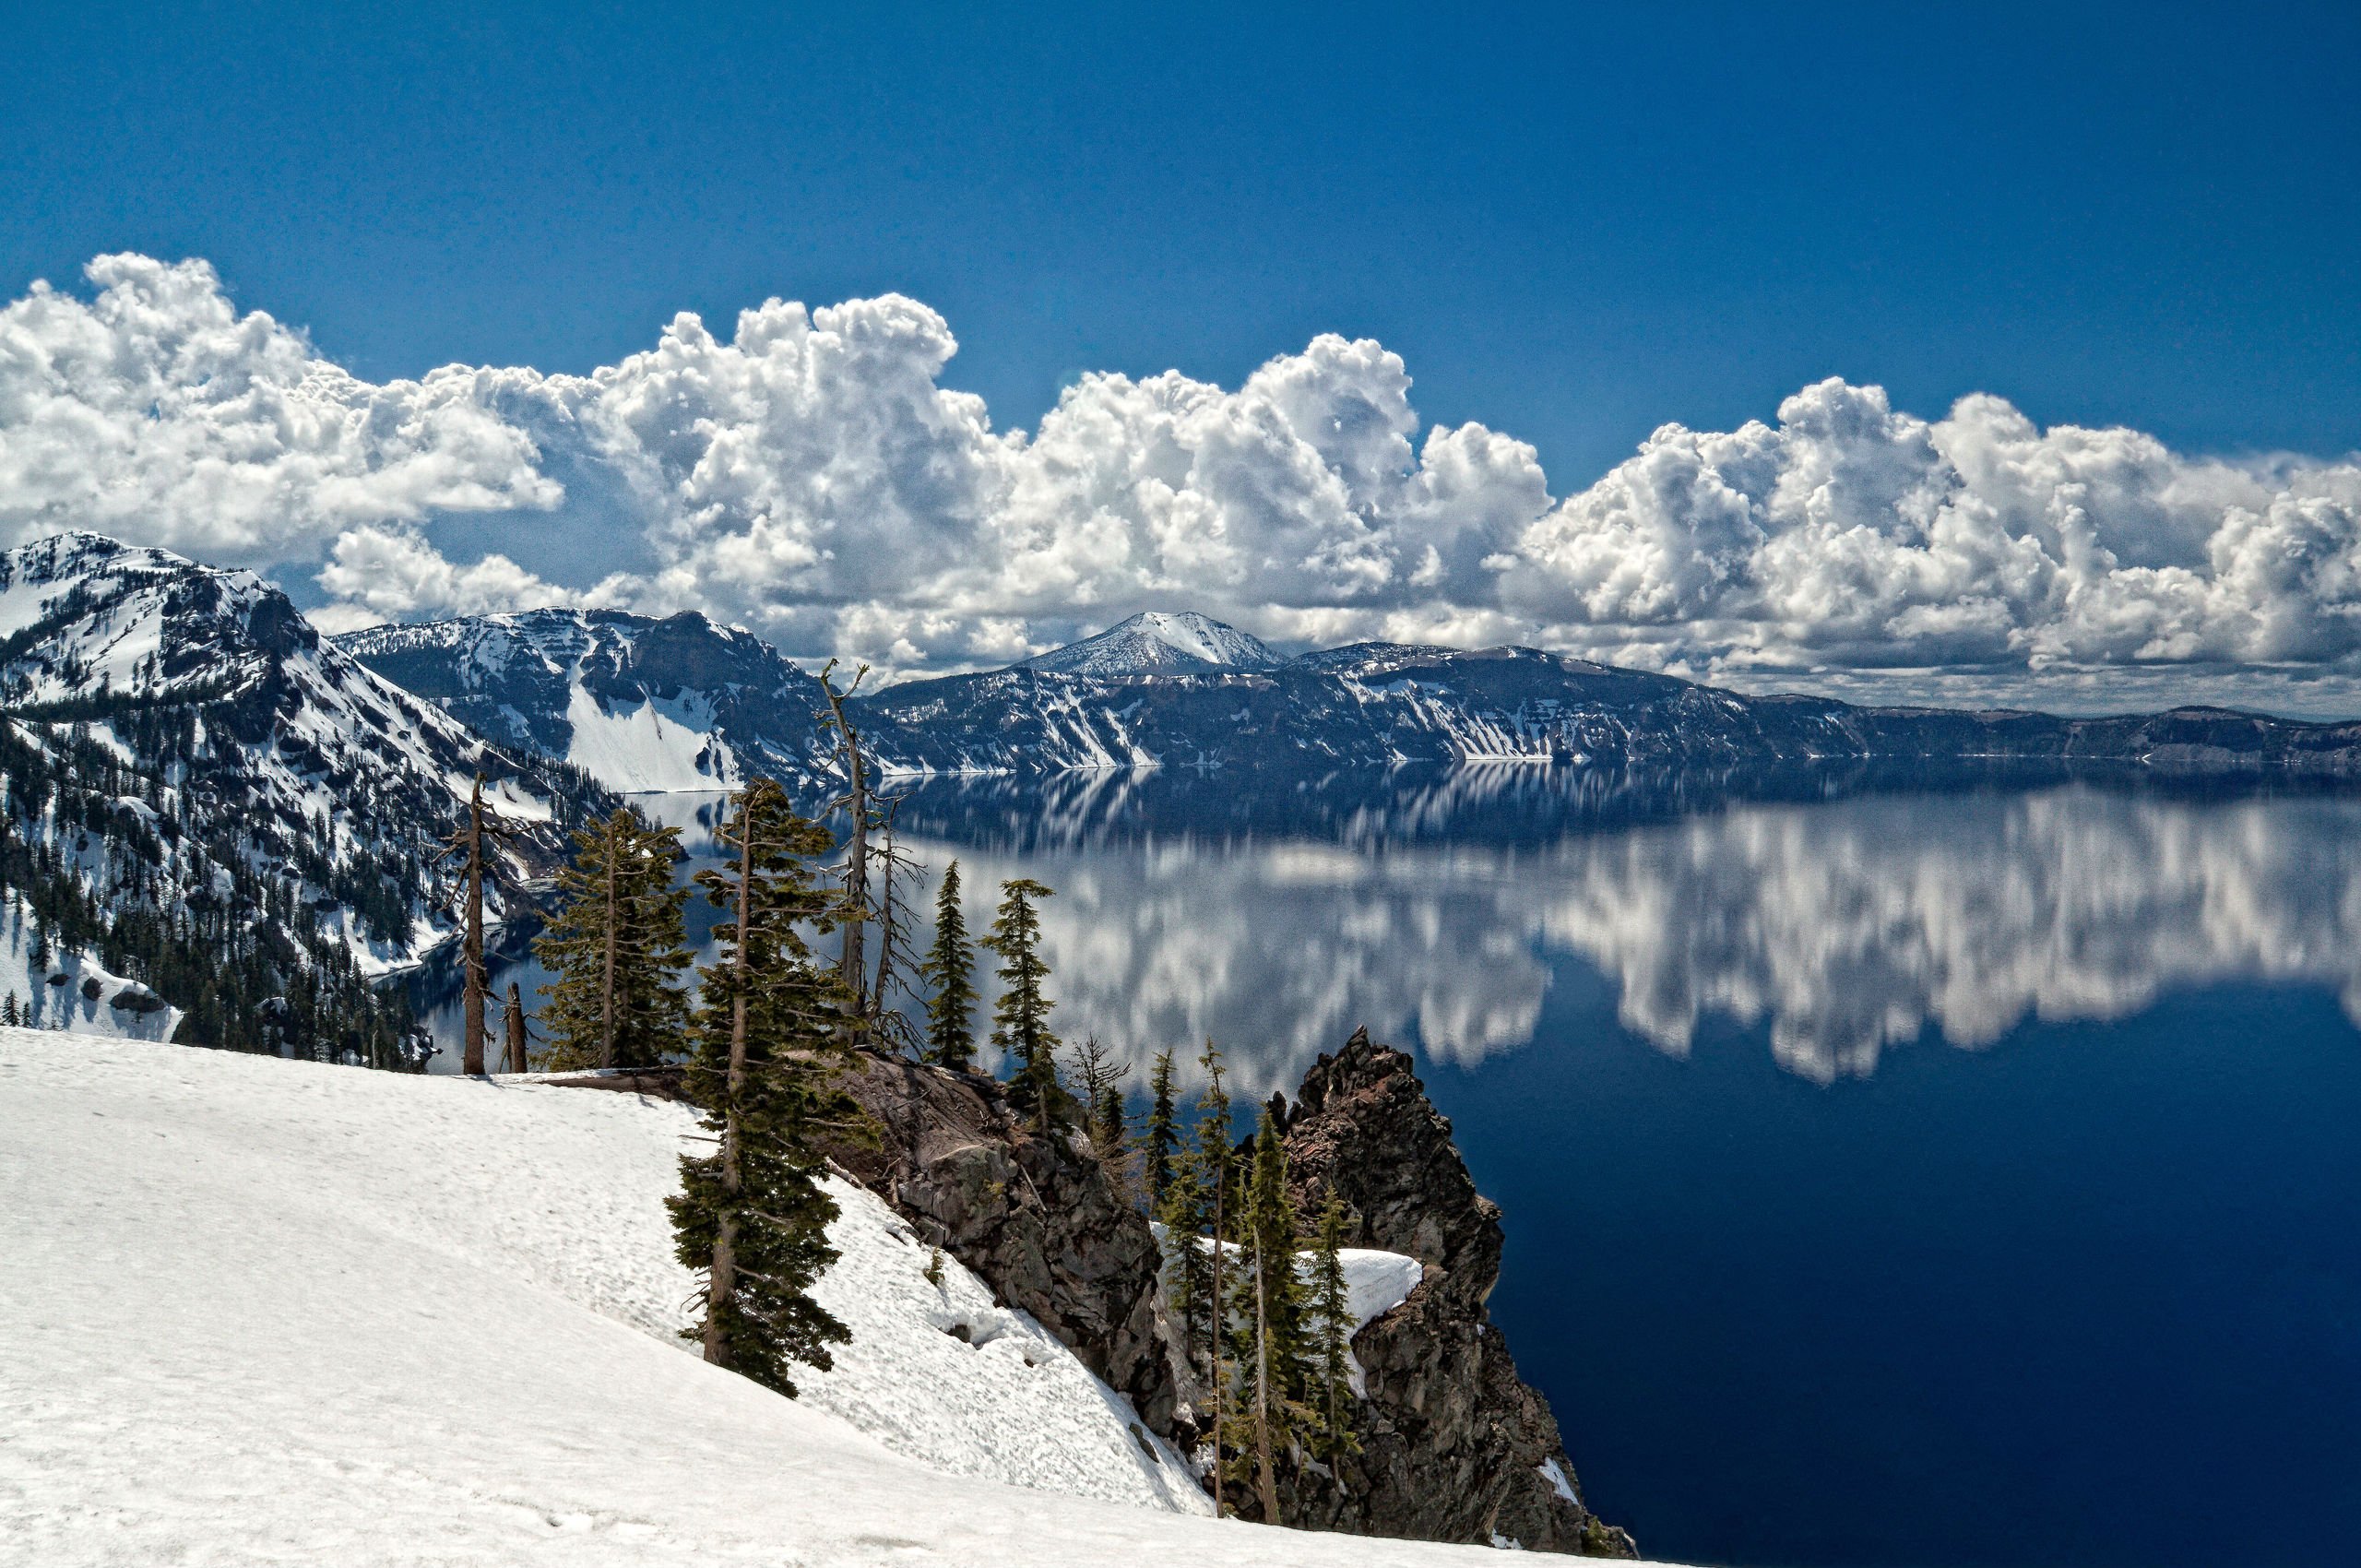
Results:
1156 643
636 703
1370 705
684 703
1378 705
206 796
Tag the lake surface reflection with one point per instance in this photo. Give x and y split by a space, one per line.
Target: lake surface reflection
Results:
1896 1172
1843 927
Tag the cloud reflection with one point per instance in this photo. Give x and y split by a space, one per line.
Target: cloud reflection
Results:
1845 927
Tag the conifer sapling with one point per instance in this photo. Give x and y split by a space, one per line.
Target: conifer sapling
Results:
949 972
1021 1017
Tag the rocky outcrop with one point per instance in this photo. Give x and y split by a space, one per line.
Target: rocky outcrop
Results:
1453 1444
1040 1219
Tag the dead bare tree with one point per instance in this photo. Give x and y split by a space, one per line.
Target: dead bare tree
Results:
852 962
482 831
520 1034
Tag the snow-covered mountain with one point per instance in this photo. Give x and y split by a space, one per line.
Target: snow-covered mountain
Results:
204 794
1378 705
683 704
636 703
1158 643
1372 704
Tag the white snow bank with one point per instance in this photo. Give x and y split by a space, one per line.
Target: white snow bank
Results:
267 1311
74 991
1376 1282
944 1374
648 745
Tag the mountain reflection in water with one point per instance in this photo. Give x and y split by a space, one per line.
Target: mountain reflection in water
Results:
1440 906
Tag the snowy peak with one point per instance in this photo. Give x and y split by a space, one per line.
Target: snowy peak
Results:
638 702
1158 643
210 692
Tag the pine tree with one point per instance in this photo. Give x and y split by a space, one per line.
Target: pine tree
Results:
8 1011
950 975
616 948
770 1031
1266 1316
1214 1160
1160 1138
1021 1018
1187 1213
1330 1314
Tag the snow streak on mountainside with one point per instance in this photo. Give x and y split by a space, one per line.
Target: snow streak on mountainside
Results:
201 788
1378 705
636 703
227 1336
1155 642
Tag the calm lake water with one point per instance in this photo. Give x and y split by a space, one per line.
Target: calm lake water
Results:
1893 1175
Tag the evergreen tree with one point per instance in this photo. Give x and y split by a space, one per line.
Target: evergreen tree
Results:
1021 1018
1160 1138
1331 1314
770 1034
616 948
1186 1210
1213 1162
950 972
1266 1324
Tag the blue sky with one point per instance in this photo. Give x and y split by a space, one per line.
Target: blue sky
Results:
1571 224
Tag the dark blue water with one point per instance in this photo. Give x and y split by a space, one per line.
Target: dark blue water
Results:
2090 1296
1949 1176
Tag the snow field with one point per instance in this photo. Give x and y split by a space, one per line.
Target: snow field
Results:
267 1312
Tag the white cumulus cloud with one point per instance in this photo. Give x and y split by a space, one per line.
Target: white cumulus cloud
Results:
155 412
810 475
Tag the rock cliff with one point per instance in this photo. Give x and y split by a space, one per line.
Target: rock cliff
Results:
1455 1447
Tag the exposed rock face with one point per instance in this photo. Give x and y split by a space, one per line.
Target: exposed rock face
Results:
1454 1447
1040 1220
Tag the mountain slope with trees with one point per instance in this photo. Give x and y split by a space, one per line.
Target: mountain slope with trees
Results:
213 800
683 704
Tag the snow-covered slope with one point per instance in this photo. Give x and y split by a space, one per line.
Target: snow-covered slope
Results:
639 703
263 1311
219 802
70 989
1373 705
1158 643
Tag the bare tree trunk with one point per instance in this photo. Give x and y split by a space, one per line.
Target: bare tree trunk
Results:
607 998
852 963
517 1053
722 1280
1263 1397
1217 1315
471 1008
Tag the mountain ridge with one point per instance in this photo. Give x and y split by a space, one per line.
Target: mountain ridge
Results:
1363 705
1156 642
206 795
